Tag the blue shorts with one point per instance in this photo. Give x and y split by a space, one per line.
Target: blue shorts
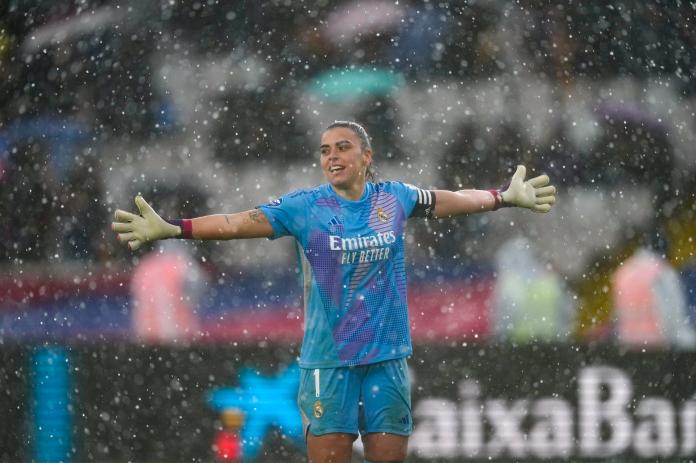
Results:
361 399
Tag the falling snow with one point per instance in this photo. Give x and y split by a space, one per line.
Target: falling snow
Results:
210 107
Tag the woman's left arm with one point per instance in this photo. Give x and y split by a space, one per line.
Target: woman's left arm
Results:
454 203
535 194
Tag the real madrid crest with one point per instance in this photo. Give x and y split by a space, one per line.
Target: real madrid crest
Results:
318 410
381 215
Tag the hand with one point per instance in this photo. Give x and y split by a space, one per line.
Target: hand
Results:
535 194
134 230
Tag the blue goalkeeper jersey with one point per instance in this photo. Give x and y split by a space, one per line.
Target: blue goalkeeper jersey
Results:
352 259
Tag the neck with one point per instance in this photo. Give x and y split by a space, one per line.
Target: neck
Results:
352 193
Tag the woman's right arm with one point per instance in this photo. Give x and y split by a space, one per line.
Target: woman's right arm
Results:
134 230
247 224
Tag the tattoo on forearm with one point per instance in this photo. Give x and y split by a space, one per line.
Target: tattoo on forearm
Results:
227 219
254 217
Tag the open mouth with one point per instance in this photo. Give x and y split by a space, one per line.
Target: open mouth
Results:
335 169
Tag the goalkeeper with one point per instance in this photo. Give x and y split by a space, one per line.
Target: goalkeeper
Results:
350 234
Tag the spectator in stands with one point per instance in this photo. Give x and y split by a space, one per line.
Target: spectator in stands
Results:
650 304
531 303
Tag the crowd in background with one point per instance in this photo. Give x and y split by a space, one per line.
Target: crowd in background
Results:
102 99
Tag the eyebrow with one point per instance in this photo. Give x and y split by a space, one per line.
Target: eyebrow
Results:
339 142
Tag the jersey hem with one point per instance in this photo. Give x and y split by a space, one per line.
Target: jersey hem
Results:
340 364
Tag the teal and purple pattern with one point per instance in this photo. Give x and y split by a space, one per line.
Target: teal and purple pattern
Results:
356 306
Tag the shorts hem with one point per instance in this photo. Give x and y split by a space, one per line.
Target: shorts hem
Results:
332 431
398 432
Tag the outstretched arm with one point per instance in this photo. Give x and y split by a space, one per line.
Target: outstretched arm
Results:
535 194
454 203
134 229
247 224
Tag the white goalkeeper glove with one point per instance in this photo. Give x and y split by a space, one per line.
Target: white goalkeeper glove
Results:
535 194
134 230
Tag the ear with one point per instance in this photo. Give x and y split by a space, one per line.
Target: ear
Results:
367 157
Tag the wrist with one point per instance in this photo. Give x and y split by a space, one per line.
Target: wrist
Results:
185 227
499 199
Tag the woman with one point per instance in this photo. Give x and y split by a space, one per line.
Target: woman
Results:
351 235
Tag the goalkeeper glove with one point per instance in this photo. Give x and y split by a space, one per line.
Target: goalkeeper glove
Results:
535 194
134 230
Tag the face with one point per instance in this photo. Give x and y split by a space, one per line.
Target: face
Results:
342 160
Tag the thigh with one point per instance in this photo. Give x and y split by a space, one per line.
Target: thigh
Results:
386 399
330 448
328 399
381 446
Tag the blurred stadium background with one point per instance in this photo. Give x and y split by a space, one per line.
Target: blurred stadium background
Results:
563 337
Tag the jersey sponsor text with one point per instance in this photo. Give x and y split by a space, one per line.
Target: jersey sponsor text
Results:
356 243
